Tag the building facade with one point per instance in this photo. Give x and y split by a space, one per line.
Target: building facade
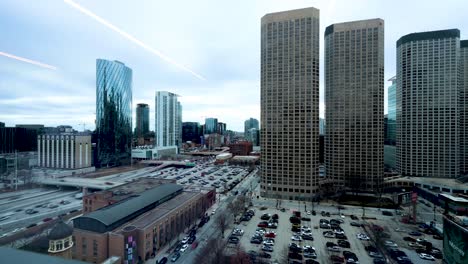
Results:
191 131
142 120
290 104
17 139
354 96
241 148
221 128
113 113
168 125
390 135
251 131
249 124
211 126
464 108
428 104
64 151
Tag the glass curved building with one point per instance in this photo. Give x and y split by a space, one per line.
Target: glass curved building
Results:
113 113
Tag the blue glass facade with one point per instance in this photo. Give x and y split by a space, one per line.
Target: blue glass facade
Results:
390 136
211 125
113 113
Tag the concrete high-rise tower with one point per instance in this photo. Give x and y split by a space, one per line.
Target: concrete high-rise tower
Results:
168 121
290 104
464 109
428 104
354 96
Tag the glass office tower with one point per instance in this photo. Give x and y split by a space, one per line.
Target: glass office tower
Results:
113 113
142 120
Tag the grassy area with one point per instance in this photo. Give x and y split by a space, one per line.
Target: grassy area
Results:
367 201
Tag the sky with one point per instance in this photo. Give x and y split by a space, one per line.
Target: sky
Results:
206 51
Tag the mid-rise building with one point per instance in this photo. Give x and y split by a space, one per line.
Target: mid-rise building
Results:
135 221
249 124
142 120
290 104
251 131
428 104
354 96
168 123
113 113
241 148
211 126
464 108
17 139
64 151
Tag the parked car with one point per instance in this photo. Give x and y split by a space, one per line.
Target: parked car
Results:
183 248
344 244
387 213
355 224
414 233
426 256
162 261
175 257
336 259
267 248
233 240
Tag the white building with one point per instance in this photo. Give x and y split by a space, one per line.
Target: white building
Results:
64 151
168 125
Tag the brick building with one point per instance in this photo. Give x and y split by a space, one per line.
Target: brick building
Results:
241 148
133 226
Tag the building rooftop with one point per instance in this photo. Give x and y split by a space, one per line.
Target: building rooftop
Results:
135 187
11 255
60 231
442 182
162 210
439 34
110 217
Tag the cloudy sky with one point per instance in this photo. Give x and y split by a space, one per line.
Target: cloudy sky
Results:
217 41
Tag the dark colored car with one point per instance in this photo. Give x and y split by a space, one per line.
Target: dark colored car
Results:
162 261
175 257
294 220
307 237
275 216
264 255
293 255
350 255
354 217
307 219
311 261
380 261
387 213
414 233
344 244
255 241
191 239
336 258
263 224
409 239
265 217
233 240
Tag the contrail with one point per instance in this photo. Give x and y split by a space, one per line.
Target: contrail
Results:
131 38
40 64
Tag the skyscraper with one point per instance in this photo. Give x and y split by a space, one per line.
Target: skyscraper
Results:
113 113
142 120
250 123
354 96
211 125
428 104
290 104
390 136
464 109
221 128
168 125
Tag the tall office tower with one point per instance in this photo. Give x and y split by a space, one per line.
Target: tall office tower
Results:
250 123
354 96
211 125
390 136
191 131
464 109
428 104
142 120
221 128
113 113
168 125
290 104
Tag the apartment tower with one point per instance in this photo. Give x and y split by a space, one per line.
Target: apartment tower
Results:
428 104
290 104
354 96
168 120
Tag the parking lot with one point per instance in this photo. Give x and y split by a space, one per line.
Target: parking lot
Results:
374 216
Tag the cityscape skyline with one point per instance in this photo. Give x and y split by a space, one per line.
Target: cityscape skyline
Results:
234 79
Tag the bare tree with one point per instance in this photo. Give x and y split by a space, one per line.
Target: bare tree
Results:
212 252
239 257
236 207
222 224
